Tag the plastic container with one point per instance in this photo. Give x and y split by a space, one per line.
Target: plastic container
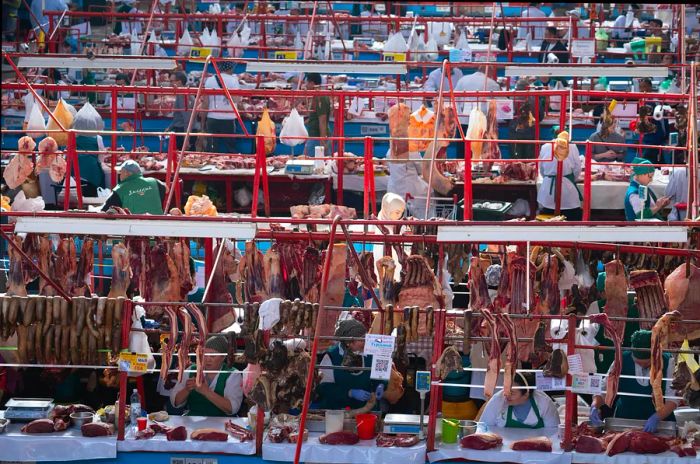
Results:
450 430
466 428
366 424
334 421
142 423
135 408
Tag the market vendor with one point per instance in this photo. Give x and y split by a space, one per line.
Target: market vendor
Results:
525 408
140 195
341 388
220 395
550 155
641 406
635 207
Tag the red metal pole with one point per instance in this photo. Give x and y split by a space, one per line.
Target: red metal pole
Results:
314 347
468 200
72 153
340 122
587 183
434 389
571 397
368 163
172 146
256 178
372 188
66 183
114 137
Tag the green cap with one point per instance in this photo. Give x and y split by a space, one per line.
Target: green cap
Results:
600 281
640 170
641 339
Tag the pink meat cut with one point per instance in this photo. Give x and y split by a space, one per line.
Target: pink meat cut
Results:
221 317
18 169
209 435
616 293
97 429
481 441
684 296
335 291
533 444
616 368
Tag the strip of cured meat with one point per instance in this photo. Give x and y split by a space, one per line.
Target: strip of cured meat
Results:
659 339
613 379
272 267
202 336
533 444
121 271
238 432
209 435
310 281
550 301
386 267
251 270
507 327
335 290
17 282
138 254
517 277
419 286
163 279
491 150
167 347
46 264
481 441
616 293
180 254
339 438
81 279
478 290
494 350
651 301
221 317
185 341
683 291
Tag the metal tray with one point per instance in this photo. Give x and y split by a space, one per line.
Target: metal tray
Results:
39 403
614 424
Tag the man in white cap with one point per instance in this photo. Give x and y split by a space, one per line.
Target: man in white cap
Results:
138 194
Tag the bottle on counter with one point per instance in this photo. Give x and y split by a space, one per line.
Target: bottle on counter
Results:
135 409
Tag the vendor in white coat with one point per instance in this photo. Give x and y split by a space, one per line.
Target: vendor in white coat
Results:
526 408
570 195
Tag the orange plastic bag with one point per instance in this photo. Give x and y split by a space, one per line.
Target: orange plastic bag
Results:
64 116
266 128
200 206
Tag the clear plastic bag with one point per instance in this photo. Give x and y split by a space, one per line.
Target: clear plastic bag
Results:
292 128
22 203
185 45
431 50
266 128
36 122
395 44
88 119
234 46
138 341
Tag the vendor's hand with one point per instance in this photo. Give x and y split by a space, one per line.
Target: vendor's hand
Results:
191 384
359 395
663 202
379 392
595 417
203 389
652 423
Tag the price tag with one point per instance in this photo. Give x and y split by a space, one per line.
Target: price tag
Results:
589 384
133 362
286 55
199 53
381 368
549 383
581 48
395 57
373 130
575 363
379 345
422 381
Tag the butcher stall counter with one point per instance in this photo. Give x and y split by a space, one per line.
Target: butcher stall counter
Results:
363 452
285 190
67 445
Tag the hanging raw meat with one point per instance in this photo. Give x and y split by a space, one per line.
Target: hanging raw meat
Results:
517 271
310 277
66 263
478 290
419 286
20 166
335 291
252 272
491 151
138 252
616 293
660 336
17 277
476 130
162 279
651 301
386 267
613 379
274 283
180 254
46 264
47 153
80 286
507 329
121 271
683 291
399 115
221 317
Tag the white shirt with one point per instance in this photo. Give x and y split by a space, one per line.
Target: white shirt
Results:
677 190
569 192
220 102
642 375
433 81
496 410
233 391
536 28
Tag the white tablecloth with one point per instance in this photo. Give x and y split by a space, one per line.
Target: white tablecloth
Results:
69 445
632 458
356 182
159 443
607 194
504 453
364 452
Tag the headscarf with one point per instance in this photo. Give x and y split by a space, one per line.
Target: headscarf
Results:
641 339
350 328
391 202
561 146
217 343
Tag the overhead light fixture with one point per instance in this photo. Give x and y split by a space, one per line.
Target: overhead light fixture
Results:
74 62
552 233
136 227
587 71
327 68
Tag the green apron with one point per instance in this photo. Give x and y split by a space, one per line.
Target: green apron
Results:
514 423
90 166
198 405
571 178
634 407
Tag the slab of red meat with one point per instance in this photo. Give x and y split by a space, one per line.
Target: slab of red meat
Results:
178 433
618 444
651 301
39 426
97 429
616 293
481 441
587 444
221 317
209 435
613 379
647 443
684 296
533 444
339 438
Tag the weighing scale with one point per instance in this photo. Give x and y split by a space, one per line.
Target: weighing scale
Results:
299 167
28 409
404 423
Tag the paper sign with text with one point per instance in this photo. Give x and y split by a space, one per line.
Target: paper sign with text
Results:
133 362
379 345
575 363
584 383
549 383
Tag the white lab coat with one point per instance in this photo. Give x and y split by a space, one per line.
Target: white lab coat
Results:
496 410
405 177
677 191
569 191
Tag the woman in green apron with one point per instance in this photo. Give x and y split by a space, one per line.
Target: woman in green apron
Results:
525 408
551 154
641 406
220 395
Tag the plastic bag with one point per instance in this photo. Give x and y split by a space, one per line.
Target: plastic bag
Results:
395 44
413 41
185 45
214 43
243 197
476 130
200 206
205 37
88 119
234 46
431 50
292 128
64 116
135 44
441 32
138 341
36 122
71 109
245 34
298 44
267 128
462 42
22 203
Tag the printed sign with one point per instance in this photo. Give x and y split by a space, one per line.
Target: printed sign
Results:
379 345
422 381
199 53
575 363
581 48
373 130
395 57
286 55
133 362
584 383
549 383
381 368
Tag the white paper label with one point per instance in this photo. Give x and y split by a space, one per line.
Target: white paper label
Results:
549 383
379 345
381 368
584 383
504 109
575 363
581 48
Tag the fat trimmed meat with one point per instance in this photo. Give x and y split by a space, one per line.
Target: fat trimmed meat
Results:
97 429
543 444
339 438
209 435
481 441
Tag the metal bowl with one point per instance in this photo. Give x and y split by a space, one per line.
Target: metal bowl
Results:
466 428
80 418
3 425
